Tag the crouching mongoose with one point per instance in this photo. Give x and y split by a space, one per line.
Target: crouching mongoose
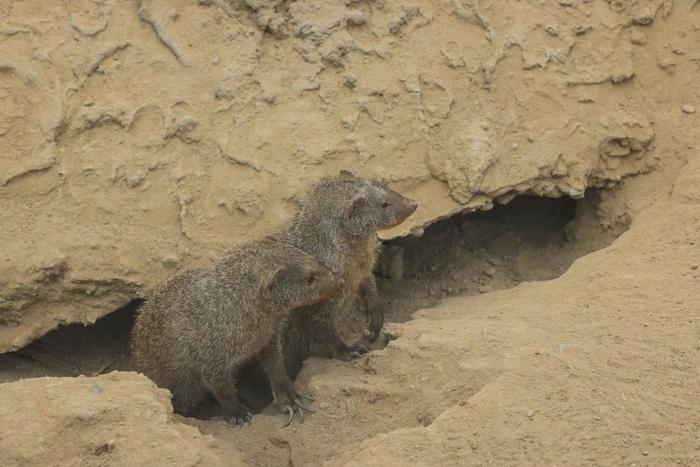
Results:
196 331
338 223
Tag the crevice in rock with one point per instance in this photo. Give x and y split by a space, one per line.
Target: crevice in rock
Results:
528 239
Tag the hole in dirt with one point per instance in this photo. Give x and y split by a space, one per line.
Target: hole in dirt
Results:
479 252
75 349
528 239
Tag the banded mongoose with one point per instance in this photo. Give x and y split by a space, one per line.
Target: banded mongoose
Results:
338 223
198 329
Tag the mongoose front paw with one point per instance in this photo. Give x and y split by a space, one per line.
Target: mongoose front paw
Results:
290 399
297 405
241 421
237 414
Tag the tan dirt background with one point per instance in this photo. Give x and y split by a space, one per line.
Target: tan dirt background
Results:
139 138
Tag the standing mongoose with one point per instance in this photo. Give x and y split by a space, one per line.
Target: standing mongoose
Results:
338 223
197 330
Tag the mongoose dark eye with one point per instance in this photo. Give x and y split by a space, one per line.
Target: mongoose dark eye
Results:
385 204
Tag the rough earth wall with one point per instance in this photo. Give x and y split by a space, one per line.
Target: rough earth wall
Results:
137 138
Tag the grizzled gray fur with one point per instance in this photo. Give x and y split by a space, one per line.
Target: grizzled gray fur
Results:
338 224
197 330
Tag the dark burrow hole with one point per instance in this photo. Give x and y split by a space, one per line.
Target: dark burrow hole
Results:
528 239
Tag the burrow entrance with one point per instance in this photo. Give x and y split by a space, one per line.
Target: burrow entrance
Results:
528 239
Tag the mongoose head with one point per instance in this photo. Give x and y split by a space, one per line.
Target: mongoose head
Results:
370 205
300 280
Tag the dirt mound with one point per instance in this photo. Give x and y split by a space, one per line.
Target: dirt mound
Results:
111 420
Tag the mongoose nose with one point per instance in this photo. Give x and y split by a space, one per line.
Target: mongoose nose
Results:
412 204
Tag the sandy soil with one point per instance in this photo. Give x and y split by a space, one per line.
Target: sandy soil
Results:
111 420
598 366
543 332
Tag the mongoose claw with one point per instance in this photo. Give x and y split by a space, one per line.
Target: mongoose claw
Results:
356 352
290 412
297 406
301 406
304 395
376 323
241 421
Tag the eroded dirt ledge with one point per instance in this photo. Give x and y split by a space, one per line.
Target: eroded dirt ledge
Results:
139 138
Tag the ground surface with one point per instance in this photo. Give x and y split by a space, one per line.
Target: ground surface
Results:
543 332
598 366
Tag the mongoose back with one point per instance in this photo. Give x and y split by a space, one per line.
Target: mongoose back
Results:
197 330
338 223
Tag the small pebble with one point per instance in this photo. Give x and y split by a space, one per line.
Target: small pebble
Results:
494 261
474 444
638 39
485 289
688 109
645 453
95 389
530 413
357 18
490 272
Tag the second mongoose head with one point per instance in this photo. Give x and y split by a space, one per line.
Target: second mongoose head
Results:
357 206
297 280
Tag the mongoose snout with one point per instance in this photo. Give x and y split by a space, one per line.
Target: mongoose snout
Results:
403 207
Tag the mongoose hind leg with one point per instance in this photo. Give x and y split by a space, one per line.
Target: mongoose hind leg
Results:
287 395
369 297
313 334
188 395
221 382
328 342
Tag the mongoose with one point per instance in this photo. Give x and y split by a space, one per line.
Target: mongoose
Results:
197 330
338 223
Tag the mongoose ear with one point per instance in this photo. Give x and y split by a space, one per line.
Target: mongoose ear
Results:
354 207
271 282
351 214
346 174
